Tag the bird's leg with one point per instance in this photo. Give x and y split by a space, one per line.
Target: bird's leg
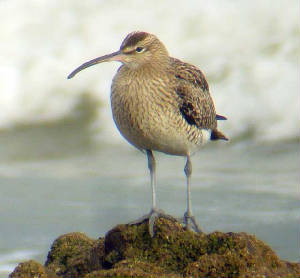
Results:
188 216
155 212
152 169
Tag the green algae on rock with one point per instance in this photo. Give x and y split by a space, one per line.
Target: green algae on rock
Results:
133 268
31 269
129 251
70 255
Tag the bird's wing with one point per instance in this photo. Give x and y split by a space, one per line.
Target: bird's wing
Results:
196 104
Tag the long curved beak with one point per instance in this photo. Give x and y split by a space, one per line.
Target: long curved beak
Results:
115 56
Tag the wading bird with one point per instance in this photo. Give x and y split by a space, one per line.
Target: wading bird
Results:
160 103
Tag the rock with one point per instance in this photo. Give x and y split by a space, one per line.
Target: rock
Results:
129 251
133 268
183 252
31 269
70 255
97 254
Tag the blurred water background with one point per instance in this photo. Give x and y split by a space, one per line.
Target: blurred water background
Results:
63 165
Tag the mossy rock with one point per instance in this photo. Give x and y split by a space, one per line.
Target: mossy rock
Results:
198 255
172 247
31 269
70 255
133 268
129 251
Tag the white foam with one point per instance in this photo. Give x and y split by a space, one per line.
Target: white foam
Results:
249 51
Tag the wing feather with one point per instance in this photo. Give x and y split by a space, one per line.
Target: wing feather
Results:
196 104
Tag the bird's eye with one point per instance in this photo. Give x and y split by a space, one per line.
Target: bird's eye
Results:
139 49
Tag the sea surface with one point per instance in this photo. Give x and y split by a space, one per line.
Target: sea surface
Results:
63 165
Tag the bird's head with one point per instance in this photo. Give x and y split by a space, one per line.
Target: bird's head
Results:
141 48
137 50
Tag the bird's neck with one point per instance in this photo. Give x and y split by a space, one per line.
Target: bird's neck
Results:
145 75
135 80
148 70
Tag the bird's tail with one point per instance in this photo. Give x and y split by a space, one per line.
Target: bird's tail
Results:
217 135
220 118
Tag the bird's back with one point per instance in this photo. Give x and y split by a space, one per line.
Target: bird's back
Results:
195 104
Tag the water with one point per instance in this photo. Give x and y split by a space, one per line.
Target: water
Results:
235 188
63 165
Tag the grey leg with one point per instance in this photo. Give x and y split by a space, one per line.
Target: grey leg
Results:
152 168
155 212
188 216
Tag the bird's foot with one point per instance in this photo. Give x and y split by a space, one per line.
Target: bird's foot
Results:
152 216
191 223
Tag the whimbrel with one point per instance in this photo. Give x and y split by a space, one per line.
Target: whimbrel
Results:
160 103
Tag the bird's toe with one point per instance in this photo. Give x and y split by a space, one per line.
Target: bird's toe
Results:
191 223
151 217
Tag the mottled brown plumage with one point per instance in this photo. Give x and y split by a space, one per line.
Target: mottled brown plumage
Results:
197 106
160 103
